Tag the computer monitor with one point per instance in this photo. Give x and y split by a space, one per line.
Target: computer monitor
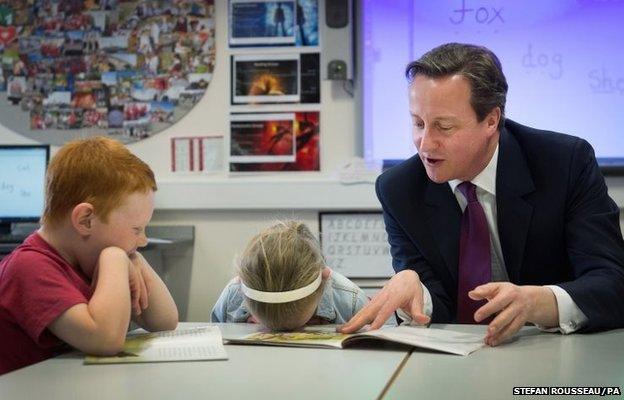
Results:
22 182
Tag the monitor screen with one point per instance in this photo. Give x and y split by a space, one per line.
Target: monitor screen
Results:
563 61
22 181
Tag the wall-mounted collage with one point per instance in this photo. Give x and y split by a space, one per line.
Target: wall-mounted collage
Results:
127 69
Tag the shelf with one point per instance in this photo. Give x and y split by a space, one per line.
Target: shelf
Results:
291 191
265 193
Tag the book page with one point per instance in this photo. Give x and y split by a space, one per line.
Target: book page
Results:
428 338
194 344
326 336
307 338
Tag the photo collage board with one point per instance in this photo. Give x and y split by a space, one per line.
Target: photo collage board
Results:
275 86
119 68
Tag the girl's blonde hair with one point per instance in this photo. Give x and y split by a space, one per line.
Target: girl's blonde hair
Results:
283 257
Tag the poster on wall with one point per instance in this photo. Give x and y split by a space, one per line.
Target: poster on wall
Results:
126 69
273 23
274 142
265 79
356 244
278 78
256 138
197 154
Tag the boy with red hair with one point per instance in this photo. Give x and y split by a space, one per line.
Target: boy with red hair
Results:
79 280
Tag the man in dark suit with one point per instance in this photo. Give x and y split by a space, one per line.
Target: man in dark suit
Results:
492 221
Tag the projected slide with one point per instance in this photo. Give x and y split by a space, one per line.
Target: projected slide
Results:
563 60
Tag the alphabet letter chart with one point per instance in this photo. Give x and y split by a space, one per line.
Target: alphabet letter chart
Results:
356 244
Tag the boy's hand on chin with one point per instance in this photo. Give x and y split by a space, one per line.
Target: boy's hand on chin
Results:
139 283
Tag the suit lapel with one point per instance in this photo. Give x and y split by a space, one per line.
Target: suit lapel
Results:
443 217
513 183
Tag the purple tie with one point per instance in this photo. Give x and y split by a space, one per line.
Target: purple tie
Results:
474 255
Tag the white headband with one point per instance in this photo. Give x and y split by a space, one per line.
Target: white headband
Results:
283 297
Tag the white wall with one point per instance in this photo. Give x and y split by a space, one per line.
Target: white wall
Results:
210 115
222 233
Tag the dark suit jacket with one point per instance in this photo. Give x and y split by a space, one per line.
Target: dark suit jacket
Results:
556 222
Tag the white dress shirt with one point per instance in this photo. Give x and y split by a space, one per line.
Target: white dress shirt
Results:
571 318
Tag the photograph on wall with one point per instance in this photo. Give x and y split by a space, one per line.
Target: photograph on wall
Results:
273 23
265 79
256 138
197 154
126 69
262 22
279 78
266 135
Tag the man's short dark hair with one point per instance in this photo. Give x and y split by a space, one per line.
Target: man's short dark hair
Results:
477 64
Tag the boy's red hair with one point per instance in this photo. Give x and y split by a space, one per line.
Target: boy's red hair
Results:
97 170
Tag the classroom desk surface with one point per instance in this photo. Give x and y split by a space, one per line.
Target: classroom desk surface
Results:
533 358
253 372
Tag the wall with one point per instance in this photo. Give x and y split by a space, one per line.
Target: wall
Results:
220 234
222 230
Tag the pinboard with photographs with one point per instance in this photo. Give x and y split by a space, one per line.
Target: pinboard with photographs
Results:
126 69
356 243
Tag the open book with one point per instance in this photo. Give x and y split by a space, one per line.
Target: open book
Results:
427 338
192 344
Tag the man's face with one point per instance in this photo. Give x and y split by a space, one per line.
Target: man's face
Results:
450 141
126 224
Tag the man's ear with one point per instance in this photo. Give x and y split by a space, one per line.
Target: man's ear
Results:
492 119
82 218
326 273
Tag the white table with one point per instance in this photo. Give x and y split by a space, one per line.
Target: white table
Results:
254 372
533 359
266 372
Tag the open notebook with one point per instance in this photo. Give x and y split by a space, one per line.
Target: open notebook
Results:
323 336
192 344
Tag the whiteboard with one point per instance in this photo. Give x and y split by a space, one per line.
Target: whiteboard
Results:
355 244
563 61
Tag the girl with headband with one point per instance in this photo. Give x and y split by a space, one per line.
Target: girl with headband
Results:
283 283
